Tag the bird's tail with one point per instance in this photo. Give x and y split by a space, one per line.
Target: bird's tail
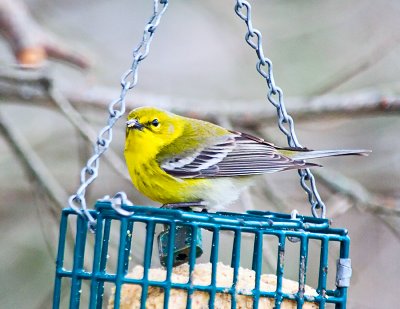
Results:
313 154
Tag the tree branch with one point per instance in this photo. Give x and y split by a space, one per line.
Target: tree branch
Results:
85 130
363 200
30 43
30 87
33 86
350 71
32 163
355 191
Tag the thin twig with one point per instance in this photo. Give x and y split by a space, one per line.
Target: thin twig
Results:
350 71
362 199
85 130
32 85
354 190
30 42
37 170
32 163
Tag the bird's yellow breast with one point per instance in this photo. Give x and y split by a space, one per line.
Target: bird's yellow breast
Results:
155 183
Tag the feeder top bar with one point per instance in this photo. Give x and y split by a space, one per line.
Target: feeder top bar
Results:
249 220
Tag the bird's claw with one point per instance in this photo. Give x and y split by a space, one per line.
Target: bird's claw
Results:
186 205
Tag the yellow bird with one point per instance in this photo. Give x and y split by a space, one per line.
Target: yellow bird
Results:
181 162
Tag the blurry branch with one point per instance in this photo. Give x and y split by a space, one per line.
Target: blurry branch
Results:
363 64
36 87
85 130
38 172
355 191
32 163
30 87
360 196
31 44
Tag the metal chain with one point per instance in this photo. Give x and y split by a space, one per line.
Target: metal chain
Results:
275 96
116 110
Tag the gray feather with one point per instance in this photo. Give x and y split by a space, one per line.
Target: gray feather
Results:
313 154
241 154
238 155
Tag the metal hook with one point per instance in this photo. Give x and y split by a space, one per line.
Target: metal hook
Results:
118 200
293 216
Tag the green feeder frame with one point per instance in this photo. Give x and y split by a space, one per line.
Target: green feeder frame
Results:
181 240
258 223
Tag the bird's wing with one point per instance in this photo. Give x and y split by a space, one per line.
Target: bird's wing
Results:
237 154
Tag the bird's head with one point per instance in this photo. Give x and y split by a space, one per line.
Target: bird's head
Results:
150 129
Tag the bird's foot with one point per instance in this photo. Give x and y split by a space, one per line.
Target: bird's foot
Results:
186 205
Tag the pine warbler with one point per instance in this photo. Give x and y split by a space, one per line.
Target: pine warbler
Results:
177 160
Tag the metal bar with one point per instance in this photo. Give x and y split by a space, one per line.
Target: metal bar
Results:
60 259
253 219
79 254
323 271
148 250
257 266
120 264
103 260
192 262
170 263
344 253
280 269
128 244
302 270
95 284
214 261
235 264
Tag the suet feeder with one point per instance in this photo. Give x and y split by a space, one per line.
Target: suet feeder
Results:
283 228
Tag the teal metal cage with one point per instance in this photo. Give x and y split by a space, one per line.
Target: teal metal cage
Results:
258 223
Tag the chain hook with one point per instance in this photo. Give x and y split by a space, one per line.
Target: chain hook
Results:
118 200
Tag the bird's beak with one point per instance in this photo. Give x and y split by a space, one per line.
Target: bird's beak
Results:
134 124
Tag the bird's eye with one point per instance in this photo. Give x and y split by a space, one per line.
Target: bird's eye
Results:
155 122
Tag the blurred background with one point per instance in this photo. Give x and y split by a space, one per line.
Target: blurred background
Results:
336 61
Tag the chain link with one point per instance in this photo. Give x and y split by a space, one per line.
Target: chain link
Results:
116 110
275 95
